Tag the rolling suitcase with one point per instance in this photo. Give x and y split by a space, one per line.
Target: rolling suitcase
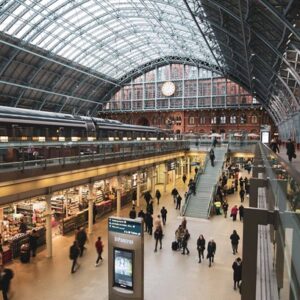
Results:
175 246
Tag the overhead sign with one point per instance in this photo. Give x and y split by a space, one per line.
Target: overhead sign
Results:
125 226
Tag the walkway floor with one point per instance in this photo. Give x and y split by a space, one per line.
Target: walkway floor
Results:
168 274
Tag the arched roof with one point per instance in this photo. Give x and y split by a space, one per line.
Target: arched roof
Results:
66 55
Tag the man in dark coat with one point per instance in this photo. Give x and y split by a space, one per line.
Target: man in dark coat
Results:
241 212
74 253
237 272
234 237
33 238
178 202
184 178
132 213
211 251
174 194
6 276
163 213
157 195
147 196
290 150
81 239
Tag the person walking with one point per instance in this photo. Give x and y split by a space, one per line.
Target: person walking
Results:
242 195
81 238
147 196
174 193
225 208
200 247
99 249
215 142
184 244
6 275
150 224
274 146
178 201
211 251
241 182
237 272
157 195
163 213
241 212
33 238
95 211
290 150
158 235
184 178
234 237
74 254
234 212
212 157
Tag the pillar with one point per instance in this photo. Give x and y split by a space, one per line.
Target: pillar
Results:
174 177
119 197
48 216
91 209
138 189
181 167
188 168
255 183
165 177
153 175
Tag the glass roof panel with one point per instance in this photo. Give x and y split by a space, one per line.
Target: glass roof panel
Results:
109 36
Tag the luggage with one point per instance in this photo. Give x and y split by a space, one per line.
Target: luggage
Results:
174 246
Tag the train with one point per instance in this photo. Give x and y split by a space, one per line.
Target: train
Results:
32 135
18 124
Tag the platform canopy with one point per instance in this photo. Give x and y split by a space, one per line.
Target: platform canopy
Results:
66 55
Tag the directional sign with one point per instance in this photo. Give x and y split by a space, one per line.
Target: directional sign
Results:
125 226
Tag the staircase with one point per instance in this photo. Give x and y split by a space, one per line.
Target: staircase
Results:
198 205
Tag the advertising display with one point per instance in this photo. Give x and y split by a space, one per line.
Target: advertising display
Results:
265 137
123 268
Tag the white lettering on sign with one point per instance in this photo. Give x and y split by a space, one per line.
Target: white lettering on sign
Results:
122 240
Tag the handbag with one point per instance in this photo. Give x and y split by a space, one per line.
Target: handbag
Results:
294 155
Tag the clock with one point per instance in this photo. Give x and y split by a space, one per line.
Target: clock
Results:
168 89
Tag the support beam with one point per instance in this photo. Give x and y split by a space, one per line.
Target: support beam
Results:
90 209
48 216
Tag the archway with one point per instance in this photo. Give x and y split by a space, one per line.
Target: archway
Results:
143 121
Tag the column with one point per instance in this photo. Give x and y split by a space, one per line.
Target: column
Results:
174 177
153 176
165 178
119 197
91 209
138 189
188 168
48 215
181 167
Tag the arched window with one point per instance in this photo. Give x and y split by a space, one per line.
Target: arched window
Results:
223 119
233 119
214 120
191 120
253 119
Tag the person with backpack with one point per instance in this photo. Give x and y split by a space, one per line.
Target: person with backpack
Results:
99 249
237 272
158 235
6 275
74 254
157 195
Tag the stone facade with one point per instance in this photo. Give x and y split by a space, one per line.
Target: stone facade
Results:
242 120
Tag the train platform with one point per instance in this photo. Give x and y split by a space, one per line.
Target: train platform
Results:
168 274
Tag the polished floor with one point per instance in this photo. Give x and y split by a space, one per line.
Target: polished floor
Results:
168 274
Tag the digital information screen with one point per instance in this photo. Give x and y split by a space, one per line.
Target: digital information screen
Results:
123 268
265 137
125 226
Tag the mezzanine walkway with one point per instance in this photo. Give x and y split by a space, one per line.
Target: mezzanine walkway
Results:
198 205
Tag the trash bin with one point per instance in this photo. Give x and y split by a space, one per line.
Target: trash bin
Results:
25 253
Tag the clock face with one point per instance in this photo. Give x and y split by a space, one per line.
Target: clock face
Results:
168 88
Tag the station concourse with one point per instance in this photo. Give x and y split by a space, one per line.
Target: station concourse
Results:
168 274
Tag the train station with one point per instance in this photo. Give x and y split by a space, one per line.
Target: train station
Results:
149 149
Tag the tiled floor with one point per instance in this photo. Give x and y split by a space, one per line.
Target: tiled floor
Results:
168 274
